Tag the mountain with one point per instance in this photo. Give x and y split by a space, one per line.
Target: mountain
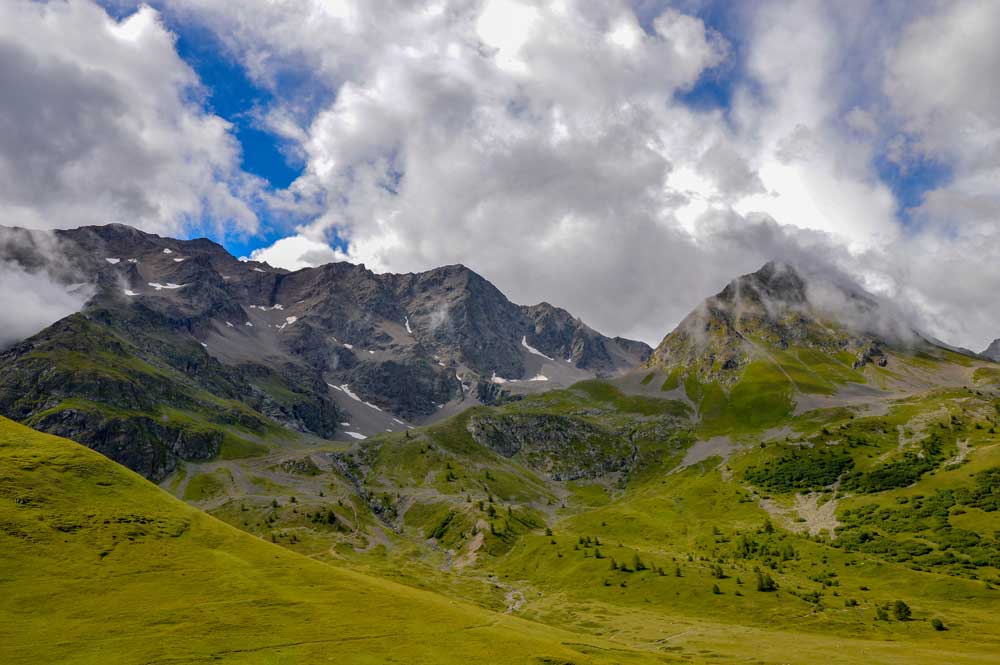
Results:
993 351
186 353
774 307
782 340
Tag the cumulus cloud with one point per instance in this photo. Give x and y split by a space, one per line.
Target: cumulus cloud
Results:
541 144
297 252
100 121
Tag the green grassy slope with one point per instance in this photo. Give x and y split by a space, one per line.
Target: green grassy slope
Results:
101 566
477 526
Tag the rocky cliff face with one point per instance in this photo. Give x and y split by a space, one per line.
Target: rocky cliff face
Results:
306 350
993 351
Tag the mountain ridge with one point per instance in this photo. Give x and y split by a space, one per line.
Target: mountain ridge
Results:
320 351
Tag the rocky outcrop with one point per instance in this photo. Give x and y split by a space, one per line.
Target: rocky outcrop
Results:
871 354
564 447
993 351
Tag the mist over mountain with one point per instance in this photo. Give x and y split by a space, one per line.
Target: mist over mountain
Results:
784 306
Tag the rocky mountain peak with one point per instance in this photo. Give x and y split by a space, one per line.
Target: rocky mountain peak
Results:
778 306
774 283
993 351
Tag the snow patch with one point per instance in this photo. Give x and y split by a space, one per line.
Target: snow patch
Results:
167 251
343 424
248 324
408 328
178 260
203 344
129 292
168 285
531 349
258 270
348 346
113 261
228 324
289 320
350 393
539 377
355 435
496 379
133 260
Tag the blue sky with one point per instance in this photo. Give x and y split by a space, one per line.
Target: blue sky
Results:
232 96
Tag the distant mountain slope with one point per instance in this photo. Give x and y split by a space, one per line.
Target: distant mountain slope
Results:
993 351
183 347
102 566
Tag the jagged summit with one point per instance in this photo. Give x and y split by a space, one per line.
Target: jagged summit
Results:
993 351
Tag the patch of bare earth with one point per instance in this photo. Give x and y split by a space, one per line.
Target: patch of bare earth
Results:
805 515
468 556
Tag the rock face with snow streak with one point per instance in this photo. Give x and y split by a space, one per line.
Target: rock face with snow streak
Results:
206 323
993 351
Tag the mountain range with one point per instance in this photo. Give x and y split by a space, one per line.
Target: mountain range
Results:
377 467
180 337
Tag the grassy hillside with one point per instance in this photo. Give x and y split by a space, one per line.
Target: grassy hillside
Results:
101 566
736 543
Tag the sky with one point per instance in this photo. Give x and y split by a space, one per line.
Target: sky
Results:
623 160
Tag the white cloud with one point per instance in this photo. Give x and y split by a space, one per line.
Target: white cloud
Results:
31 301
297 252
100 122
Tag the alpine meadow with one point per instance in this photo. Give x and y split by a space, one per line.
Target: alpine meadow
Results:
269 391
